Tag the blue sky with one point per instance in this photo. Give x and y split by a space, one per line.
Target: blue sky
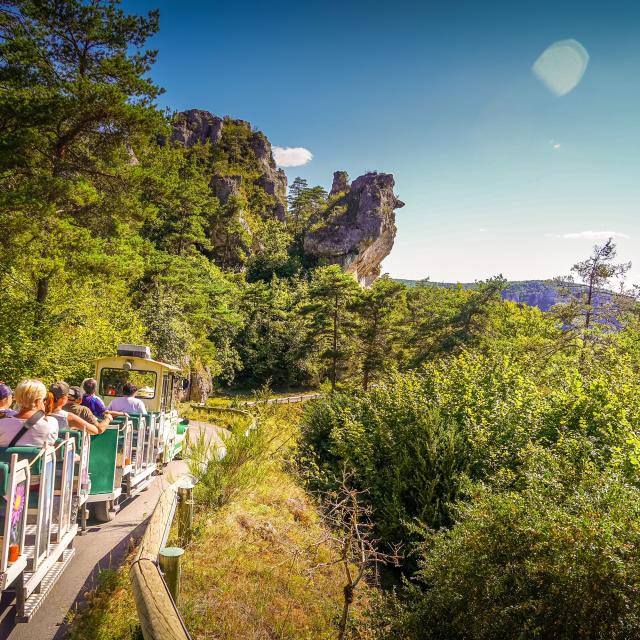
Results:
495 169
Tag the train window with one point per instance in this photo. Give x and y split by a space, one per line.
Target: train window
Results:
165 392
112 381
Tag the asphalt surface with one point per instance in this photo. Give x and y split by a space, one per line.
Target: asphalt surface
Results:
103 546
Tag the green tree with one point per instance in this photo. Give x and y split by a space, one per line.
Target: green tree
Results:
174 188
590 308
305 204
381 311
331 294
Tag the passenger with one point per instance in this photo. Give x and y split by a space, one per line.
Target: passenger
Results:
6 400
128 402
93 402
30 427
74 406
66 420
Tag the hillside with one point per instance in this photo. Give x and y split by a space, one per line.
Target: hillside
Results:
535 293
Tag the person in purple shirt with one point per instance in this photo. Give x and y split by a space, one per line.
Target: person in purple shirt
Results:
93 402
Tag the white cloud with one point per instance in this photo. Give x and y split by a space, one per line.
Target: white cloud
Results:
594 235
291 156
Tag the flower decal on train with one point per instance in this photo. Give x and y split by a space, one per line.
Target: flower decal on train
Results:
19 503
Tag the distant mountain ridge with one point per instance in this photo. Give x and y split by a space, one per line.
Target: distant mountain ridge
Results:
535 293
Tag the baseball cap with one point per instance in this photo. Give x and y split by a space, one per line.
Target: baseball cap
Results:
75 393
59 389
5 391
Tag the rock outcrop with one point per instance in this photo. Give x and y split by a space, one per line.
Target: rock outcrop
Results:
196 126
358 229
242 165
340 183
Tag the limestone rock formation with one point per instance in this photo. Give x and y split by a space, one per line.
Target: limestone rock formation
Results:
242 165
272 180
199 126
196 125
358 230
340 183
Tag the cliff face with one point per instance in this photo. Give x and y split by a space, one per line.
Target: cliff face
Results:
243 173
358 229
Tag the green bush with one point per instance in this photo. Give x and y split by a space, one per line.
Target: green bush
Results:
412 460
555 556
414 441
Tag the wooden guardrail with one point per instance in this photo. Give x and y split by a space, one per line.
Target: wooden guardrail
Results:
285 400
158 614
212 410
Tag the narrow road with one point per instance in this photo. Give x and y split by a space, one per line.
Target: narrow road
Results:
103 546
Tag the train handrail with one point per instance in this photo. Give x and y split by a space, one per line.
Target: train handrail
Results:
159 617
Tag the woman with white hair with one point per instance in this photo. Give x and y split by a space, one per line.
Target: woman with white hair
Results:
30 427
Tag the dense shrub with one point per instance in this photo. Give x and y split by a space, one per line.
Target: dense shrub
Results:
415 440
411 458
556 556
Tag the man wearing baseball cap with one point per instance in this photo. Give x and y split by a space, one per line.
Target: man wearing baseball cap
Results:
60 391
6 400
74 406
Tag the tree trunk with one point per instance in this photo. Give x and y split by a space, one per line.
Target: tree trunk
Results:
348 599
334 373
42 291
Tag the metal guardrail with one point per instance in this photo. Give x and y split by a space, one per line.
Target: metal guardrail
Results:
159 617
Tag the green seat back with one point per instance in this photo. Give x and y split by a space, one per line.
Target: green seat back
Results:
182 426
28 453
102 461
4 478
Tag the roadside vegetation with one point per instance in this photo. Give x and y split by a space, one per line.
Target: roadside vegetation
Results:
110 611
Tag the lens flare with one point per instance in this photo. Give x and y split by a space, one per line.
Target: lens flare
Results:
561 66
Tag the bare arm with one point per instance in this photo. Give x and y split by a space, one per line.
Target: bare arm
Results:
76 422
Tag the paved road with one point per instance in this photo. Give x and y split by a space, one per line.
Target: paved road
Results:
103 546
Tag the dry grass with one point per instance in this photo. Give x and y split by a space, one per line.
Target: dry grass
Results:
250 571
111 612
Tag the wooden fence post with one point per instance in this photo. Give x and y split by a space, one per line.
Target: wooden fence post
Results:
185 514
170 565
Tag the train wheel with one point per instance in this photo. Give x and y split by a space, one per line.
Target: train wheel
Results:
104 511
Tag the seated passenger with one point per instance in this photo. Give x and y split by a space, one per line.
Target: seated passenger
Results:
60 391
128 403
6 400
30 427
74 406
93 402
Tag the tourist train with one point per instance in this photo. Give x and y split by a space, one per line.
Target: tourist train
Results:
48 491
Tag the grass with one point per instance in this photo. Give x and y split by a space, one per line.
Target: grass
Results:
110 613
250 571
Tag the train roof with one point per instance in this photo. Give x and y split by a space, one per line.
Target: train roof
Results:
139 362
